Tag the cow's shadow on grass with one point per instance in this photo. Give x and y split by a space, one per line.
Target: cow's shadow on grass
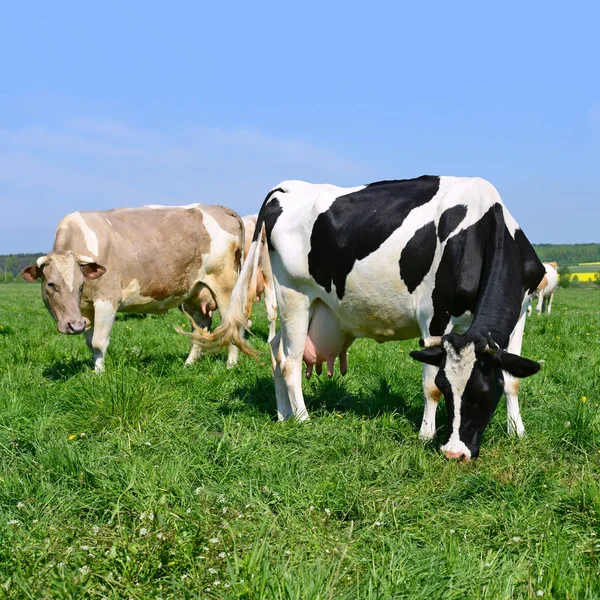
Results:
130 316
332 396
64 369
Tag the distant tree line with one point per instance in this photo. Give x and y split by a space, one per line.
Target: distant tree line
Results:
563 254
568 254
14 264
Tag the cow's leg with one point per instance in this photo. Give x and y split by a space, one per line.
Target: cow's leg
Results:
201 320
284 408
432 395
294 311
512 384
540 304
104 318
549 307
222 294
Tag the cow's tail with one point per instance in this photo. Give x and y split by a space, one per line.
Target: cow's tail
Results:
240 308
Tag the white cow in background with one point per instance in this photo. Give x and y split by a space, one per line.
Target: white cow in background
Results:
546 289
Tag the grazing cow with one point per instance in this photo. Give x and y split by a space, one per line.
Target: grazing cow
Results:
264 278
439 258
139 260
546 288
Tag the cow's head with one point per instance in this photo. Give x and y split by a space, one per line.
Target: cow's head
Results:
63 275
471 378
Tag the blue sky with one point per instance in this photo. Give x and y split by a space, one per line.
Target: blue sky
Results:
130 103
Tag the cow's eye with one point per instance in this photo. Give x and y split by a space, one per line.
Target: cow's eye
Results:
50 285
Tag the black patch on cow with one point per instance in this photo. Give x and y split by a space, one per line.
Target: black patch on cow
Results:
481 271
417 256
458 276
450 220
356 225
533 269
269 213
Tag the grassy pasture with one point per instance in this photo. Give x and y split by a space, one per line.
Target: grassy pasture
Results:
156 481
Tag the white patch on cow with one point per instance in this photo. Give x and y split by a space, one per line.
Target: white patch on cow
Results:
89 236
220 242
458 369
159 206
65 264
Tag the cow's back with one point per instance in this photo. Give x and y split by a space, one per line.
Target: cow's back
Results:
153 251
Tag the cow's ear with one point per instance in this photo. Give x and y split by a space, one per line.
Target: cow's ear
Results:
516 365
92 270
432 356
31 273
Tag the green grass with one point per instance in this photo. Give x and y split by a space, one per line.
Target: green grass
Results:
157 481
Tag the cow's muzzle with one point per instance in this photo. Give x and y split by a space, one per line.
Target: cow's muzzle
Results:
73 327
460 456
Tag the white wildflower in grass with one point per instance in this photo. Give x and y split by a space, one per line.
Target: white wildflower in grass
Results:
21 505
150 516
287 552
226 585
377 523
188 511
160 535
184 576
214 540
216 582
222 555
311 508
222 499
452 531
327 511
35 521
142 516
516 539
198 491
60 565
95 529
224 510
539 593
143 532
212 571
13 522
147 444
84 570
85 548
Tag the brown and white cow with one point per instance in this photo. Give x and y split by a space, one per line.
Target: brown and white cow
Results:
547 288
140 260
264 277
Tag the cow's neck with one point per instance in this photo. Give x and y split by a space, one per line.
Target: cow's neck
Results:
501 292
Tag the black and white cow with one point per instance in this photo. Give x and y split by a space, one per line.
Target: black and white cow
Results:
439 258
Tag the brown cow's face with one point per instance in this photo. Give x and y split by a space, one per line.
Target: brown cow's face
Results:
63 278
